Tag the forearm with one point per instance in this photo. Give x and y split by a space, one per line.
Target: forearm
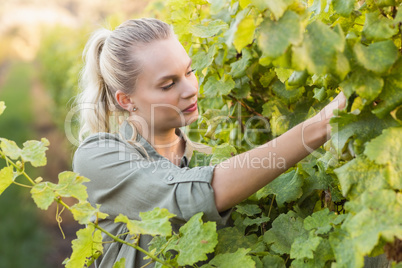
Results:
239 177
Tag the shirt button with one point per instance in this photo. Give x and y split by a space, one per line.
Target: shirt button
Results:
170 178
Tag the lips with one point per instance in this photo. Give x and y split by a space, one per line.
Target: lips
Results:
191 108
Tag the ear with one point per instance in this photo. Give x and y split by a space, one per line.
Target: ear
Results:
124 100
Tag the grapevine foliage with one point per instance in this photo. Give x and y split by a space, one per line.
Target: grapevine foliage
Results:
263 67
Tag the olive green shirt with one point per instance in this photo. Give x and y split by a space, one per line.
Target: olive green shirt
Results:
124 181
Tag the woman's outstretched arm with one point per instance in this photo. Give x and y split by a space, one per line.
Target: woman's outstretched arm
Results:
242 175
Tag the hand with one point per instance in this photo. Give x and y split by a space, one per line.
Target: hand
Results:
338 103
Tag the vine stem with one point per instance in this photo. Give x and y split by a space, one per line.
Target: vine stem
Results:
117 239
245 106
17 168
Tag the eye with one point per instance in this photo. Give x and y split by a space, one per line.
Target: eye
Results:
168 86
192 71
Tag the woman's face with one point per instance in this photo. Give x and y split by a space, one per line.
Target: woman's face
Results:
166 90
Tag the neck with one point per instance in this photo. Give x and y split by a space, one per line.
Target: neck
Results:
168 144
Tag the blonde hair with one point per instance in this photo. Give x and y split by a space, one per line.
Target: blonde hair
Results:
110 64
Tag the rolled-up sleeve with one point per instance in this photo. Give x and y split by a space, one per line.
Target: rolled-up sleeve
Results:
124 181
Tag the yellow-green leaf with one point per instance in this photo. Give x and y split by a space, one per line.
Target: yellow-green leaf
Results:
6 178
245 33
43 194
71 185
10 148
83 212
2 107
34 152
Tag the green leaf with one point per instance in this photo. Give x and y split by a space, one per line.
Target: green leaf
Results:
236 259
304 248
10 148
391 95
230 239
6 178
212 28
238 68
278 7
83 212
273 261
320 94
43 194
377 57
361 175
2 107
321 221
154 222
319 49
321 255
378 215
298 78
386 149
344 7
258 221
365 83
248 209
286 228
87 245
377 27
71 185
222 153
345 253
214 87
277 36
202 60
287 95
287 187
230 35
363 126
120 263
245 33
197 239
34 152
199 159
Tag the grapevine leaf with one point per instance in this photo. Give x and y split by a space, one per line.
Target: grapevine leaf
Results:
365 83
34 152
346 254
238 68
154 222
322 254
236 259
71 185
197 239
2 107
87 244
287 187
286 228
283 74
321 221
204 31
83 212
304 248
245 33
377 57
277 36
258 221
10 148
278 7
248 209
377 27
222 153
344 7
6 178
214 87
298 78
365 126
202 60
230 239
273 261
319 49
43 194
320 94
199 159
287 95
386 149
360 175
378 214
120 263
231 33
391 95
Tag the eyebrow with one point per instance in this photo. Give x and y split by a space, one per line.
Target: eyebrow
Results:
171 76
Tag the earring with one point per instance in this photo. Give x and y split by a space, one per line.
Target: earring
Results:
134 109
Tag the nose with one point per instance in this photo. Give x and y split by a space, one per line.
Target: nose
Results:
189 87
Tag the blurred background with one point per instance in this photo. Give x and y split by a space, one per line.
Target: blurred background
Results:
41 42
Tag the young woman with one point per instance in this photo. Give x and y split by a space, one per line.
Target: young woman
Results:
141 73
